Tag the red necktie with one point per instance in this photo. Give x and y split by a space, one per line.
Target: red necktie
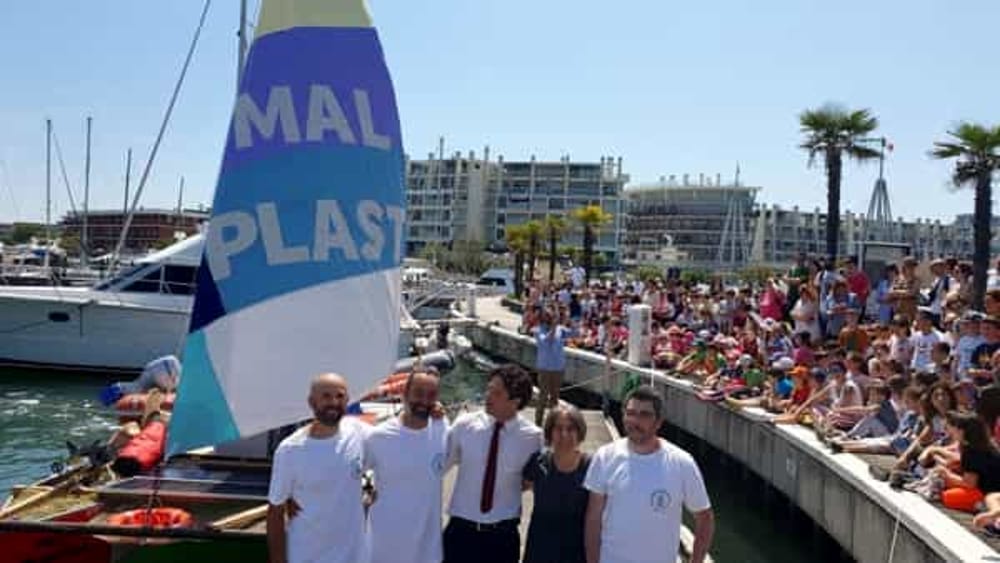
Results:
489 479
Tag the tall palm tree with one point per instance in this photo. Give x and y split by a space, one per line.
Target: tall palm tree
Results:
976 150
555 227
591 218
533 230
517 241
833 132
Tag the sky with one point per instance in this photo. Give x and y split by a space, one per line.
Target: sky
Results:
672 87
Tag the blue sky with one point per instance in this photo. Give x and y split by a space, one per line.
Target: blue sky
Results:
673 87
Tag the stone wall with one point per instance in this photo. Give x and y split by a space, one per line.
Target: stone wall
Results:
835 491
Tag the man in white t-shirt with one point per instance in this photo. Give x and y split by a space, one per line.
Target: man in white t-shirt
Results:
407 454
637 487
320 466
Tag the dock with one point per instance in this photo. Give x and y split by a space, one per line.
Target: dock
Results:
869 520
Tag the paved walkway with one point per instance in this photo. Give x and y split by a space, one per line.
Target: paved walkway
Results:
490 309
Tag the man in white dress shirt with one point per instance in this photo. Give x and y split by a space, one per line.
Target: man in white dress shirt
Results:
407 454
637 487
491 449
320 466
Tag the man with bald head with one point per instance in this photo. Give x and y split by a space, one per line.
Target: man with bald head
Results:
320 466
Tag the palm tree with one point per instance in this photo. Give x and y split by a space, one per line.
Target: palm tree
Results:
591 218
834 132
533 231
976 149
555 227
517 242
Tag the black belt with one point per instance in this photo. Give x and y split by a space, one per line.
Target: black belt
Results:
502 525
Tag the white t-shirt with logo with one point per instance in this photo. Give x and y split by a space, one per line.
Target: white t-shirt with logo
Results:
644 494
323 475
405 521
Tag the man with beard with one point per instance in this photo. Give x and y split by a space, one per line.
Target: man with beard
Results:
407 454
320 466
637 487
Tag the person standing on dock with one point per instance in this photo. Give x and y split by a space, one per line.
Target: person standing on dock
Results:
320 466
490 447
407 454
637 486
556 474
550 361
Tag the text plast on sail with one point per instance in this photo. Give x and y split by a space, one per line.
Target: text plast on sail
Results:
325 116
235 232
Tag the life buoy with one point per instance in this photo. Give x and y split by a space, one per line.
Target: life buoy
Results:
390 388
163 517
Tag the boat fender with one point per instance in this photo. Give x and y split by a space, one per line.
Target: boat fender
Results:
163 517
142 452
441 360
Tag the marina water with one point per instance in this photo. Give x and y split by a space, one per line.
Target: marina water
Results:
40 411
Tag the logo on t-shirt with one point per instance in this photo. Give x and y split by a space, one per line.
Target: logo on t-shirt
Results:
659 501
437 464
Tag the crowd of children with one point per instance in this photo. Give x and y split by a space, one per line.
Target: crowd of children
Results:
897 366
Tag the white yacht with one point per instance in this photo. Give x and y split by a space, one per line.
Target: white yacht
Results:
119 324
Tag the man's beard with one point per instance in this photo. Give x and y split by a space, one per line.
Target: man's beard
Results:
329 416
420 411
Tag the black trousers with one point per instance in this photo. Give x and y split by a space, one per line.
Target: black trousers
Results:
465 542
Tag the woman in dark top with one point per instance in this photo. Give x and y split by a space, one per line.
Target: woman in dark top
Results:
979 471
556 474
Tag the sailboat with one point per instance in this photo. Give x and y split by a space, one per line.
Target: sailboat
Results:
299 276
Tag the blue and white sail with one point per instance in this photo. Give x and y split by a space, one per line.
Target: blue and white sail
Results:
300 274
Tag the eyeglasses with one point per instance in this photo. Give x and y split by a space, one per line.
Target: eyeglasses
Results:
640 414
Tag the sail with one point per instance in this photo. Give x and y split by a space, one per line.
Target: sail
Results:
300 273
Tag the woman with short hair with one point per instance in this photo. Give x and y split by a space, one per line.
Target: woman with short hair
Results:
556 475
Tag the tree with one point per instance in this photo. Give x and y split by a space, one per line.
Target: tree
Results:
591 218
517 241
976 150
70 243
24 232
433 252
533 230
832 132
554 227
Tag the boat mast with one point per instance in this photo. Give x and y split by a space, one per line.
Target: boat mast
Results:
128 174
84 235
180 202
48 183
242 34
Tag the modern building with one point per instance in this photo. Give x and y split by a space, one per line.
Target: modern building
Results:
150 227
685 223
708 225
470 198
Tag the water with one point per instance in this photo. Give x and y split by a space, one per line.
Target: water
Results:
40 411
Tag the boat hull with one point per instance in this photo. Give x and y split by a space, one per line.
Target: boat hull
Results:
82 335
21 547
